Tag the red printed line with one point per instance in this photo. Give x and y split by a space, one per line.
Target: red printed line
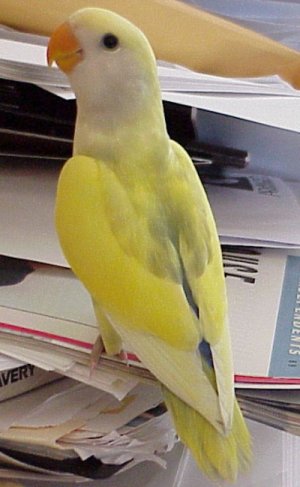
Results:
247 379
52 336
45 334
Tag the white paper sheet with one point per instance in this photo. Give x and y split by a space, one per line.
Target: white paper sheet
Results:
30 226
257 208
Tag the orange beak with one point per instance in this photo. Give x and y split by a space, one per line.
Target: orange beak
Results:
64 48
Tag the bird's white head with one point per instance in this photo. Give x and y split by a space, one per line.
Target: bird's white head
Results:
109 62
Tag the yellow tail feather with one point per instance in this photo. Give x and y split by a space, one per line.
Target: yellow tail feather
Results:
217 456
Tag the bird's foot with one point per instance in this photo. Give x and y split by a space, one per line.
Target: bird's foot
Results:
97 351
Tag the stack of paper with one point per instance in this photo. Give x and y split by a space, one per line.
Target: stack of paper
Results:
265 349
275 407
69 427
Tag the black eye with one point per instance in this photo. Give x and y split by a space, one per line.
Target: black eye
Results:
110 41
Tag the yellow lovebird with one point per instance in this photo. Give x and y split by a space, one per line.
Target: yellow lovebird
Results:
137 229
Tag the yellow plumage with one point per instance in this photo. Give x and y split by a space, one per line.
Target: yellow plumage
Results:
216 455
136 227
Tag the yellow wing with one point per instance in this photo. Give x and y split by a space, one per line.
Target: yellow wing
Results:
206 280
140 269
